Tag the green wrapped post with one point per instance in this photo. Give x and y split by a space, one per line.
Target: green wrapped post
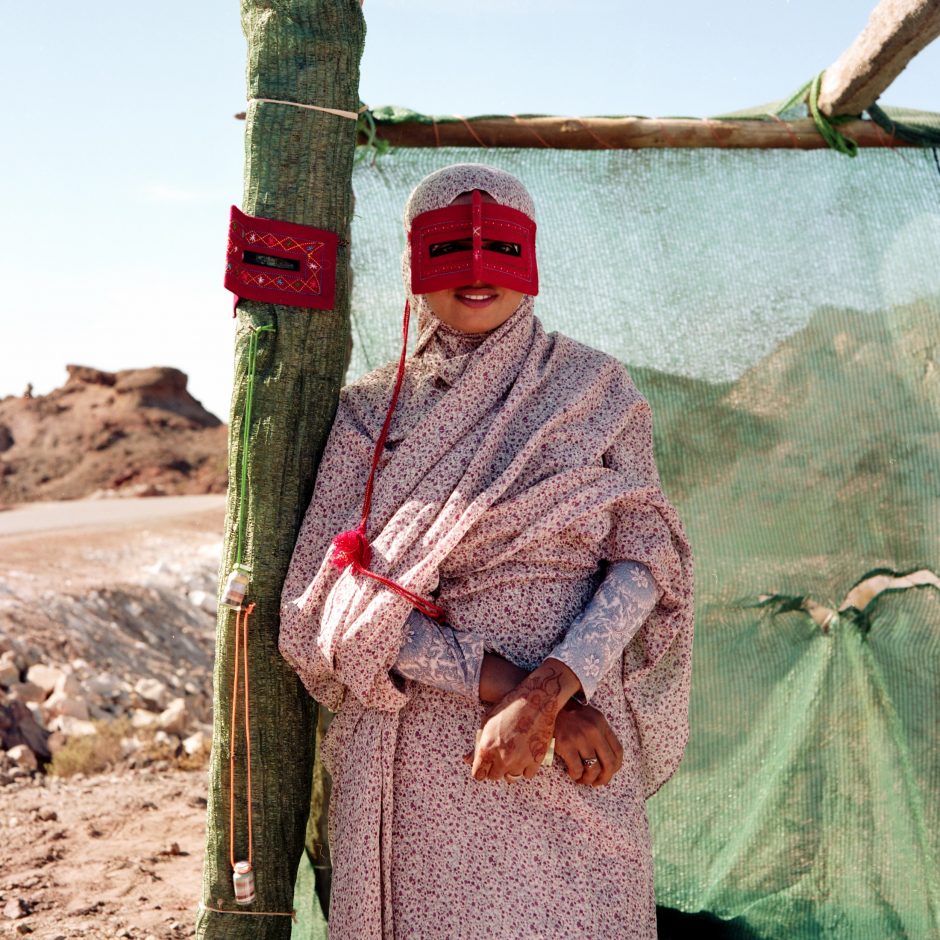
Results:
298 169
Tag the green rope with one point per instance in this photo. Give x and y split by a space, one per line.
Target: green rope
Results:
827 126
246 434
373 144
798 97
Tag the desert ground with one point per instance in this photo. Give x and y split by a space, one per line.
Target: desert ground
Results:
109 604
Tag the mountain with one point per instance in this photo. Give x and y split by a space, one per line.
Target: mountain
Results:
133 432
818 463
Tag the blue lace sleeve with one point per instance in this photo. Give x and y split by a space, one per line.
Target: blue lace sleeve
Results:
596 639
437 655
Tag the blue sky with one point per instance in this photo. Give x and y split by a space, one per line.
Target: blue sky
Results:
121 156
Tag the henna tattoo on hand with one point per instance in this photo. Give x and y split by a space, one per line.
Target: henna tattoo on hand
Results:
541 693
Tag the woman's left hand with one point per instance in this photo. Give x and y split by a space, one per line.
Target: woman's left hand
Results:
518 729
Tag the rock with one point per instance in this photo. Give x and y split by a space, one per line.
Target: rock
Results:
46 814
204 601
44 676
59 703
23 757
86 375
27 692
195 743
18 726
72 727
15 908
174 718
108 686
13 653
152 692
55 742
142 719
68 685
9 671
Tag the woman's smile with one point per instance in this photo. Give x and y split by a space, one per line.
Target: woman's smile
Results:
474 308
476 297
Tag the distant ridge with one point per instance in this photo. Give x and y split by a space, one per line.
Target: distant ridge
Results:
137 432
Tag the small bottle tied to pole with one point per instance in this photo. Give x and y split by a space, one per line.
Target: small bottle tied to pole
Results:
236 584
243 878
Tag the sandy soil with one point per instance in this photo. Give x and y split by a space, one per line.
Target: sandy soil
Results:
118 855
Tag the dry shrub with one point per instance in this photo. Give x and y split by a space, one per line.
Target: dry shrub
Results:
91 753
96 753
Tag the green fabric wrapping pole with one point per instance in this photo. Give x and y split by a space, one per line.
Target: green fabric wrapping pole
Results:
298 169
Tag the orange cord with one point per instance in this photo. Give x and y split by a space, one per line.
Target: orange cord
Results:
584 127
789 127
471 131
241 644
532 130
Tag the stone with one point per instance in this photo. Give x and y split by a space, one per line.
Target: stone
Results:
72 727
55 742
15 908
195 743
59 703
44 676
174 718
14 653
27 692
9 671
68 685
23 757
140 718
152 692
107 685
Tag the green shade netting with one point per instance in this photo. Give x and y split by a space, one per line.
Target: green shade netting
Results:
780 311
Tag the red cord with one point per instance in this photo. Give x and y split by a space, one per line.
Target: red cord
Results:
352 548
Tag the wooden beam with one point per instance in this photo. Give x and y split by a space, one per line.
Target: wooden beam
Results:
623 133
897 30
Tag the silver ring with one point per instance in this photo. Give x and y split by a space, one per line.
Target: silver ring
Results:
514 778
589 761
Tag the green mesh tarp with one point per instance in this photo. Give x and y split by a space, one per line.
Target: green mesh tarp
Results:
780 311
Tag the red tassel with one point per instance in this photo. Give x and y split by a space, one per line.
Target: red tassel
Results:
351 548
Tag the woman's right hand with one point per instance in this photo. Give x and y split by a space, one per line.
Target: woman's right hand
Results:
582 732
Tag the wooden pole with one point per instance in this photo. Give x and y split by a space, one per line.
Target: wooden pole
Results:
298 169
896 31
621 133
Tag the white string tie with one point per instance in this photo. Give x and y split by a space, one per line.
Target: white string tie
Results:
352 115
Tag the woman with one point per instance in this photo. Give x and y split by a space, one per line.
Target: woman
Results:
517 484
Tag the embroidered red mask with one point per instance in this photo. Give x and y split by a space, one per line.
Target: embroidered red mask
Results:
482 241
281 262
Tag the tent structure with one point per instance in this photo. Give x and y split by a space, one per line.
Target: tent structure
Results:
777 302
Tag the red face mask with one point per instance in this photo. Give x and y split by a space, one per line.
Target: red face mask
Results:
459 245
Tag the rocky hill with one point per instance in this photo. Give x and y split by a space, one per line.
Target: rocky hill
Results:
134 432
818 464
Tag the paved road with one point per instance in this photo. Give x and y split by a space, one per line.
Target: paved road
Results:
101 513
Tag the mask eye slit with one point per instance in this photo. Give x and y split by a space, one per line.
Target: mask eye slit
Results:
448 248
270 261
503 248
